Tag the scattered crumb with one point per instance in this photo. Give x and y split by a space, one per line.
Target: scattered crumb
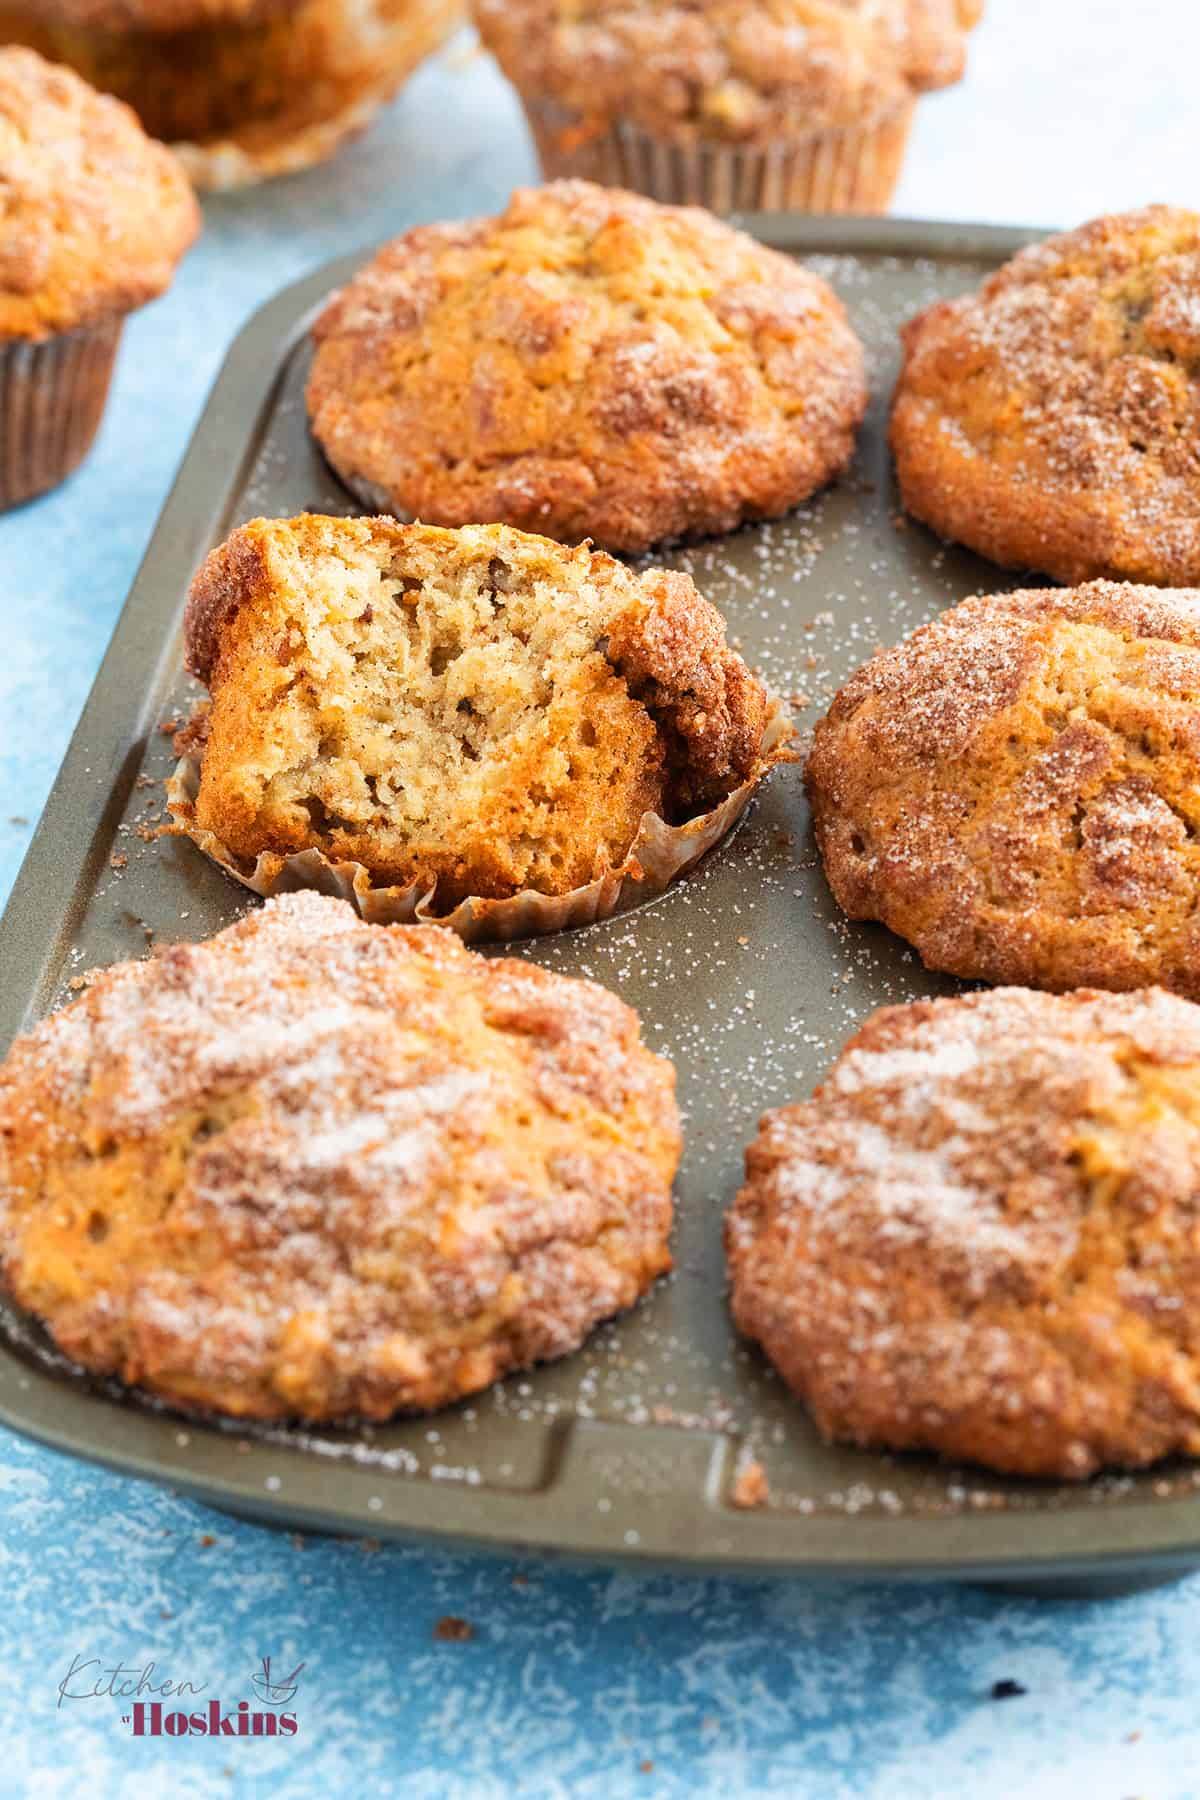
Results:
169 727
117 861
370 1545
207 1540
452 1630
750 1488
646 1767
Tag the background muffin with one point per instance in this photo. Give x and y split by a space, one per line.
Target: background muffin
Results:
318 1168
479 712
1015 789
978 1237
588 364
1052 421
781 103
95 218
242 88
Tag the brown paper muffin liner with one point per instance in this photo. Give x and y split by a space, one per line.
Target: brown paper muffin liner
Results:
52 397
840 171
659 854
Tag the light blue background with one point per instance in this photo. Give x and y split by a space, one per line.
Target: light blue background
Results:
572 1681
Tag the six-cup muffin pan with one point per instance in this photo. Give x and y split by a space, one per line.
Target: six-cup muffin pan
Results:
744 972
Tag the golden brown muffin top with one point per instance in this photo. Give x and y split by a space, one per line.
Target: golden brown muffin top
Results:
157 15
587 364
314 1167
1052 420
479 710
1016 789
979 1236
721 69
94 215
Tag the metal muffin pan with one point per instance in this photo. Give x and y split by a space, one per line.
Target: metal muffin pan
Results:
745 973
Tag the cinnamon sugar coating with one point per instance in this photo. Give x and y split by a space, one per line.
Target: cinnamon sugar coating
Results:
1015 789
481 710
980 1235
701 70
95 216
1052 421
587 364
317 1168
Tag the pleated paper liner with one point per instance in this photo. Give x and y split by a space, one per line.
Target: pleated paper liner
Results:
52 398
828 171
659 854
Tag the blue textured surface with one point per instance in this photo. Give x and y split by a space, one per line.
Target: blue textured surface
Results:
573 1684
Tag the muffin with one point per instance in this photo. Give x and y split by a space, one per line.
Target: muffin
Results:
1015 789
588 364
1052 420
804 104
243 89
454 714
979 1236
95 219
315 1168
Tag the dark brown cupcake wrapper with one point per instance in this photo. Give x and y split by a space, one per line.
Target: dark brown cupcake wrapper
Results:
52 397
659 854
836 171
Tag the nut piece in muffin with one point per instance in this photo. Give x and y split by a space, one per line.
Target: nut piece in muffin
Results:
317 1168
478 710
777 103
243 89
588 364
1015 789
979 1236
95 219
1052 420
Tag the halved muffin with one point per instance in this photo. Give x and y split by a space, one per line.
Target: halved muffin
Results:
478 711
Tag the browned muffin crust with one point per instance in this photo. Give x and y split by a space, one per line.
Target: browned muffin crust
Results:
1015 789
698 70
318 1168
1052 421
979 1236
95 216
154 15
588 364
478 709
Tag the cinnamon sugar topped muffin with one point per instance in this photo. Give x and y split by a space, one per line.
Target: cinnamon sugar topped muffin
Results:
1052 420
979 1235
94 218
478 711
96 215
802 103
242 89
588 364
317 1168
1015 789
